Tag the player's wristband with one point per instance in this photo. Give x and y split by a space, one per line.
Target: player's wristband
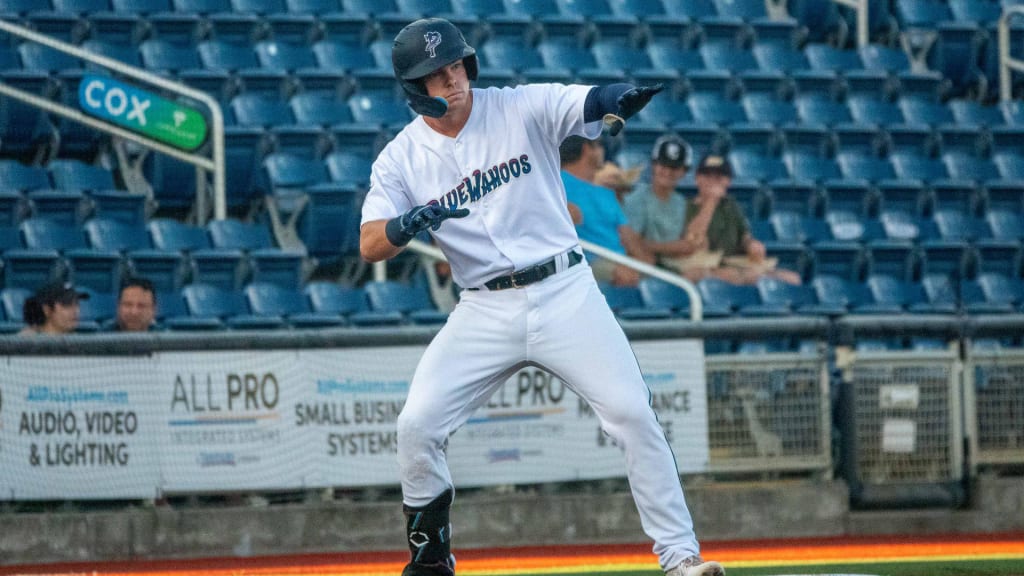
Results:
396 234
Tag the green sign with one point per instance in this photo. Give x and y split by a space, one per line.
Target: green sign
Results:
142 112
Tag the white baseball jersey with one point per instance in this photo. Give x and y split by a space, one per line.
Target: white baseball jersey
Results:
504 167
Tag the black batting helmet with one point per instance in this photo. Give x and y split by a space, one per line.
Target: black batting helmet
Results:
425 46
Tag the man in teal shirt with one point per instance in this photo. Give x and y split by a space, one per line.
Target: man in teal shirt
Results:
603 221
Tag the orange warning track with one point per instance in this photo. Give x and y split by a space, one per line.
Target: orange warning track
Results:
573 559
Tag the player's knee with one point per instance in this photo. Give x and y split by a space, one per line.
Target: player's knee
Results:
418 430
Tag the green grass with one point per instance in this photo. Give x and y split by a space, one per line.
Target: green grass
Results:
964 568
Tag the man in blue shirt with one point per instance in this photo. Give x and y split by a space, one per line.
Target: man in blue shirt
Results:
603 221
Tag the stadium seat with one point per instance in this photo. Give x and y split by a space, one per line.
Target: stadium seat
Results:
174 235
798 299
218 267
25 131
724 299
275 301
12 208
1006 224
168 56
114 235
49 234
237 235
45 59
1001 289
64 206
20 177
657 297
286 172
261 110
920 110
70 174
903 226
859 165
342 54
411 301
780 57
766 108
12 300
955 224
715 108
855 296
964 166
286 56
870 110
349 302
917 166
753 165
809 166
512 53
627 303
909 296
217 54
228 306
119 205
30 268
99 270
903 195
976 113
379 108
166 269
725 55
349 168
998 256
672 54
817 108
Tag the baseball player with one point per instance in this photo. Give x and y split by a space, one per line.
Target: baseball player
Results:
479 169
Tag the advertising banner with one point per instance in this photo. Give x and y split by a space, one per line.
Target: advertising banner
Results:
180 422
79 427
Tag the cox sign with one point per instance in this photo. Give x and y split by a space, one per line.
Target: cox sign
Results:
142 112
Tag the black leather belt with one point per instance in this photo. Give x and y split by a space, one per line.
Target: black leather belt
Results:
528 276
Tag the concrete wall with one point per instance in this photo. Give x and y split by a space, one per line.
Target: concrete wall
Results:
726 511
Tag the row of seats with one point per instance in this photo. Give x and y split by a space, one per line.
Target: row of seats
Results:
257 306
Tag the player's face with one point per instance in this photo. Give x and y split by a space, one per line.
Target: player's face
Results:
136 309
450 83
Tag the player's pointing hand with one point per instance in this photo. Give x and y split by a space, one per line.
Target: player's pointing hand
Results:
404 228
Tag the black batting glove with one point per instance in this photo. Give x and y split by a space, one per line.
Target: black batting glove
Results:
404 228
633 100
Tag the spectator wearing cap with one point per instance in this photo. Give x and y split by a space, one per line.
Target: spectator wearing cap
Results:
602 221
53 309
716 240
655 210
136 306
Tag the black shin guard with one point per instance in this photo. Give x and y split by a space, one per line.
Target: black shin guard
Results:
429 532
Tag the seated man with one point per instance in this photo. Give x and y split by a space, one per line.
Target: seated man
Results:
716 240
603 222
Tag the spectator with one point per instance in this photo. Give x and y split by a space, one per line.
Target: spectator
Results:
612 176
655 210
717 240
136 306
53 309
603 222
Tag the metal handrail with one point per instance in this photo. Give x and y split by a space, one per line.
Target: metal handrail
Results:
696 304
1007 62
214 165
861 8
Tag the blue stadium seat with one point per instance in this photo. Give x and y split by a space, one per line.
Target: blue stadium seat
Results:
49 234
30 268
798 299
666 112
12 300
43 58
903 195
18 176
1004 197
237 235
767 108
64 206
858 165
897 259
754 165
349 168
851 226
287 56
945 258
795 227
955 224
217 54
715 108
825 57
976 113
70 174
917 166
174 235
619 54
959 195
780 57
119 205
869 110
904 226
26 131
411 301
342 54
164 55
957 54
228 306
628 304
817 108
856 296
349 302
291 172
117 236
672 54
166 269
261 110
924 111
809 166
660 296
725 55
965 166
379 108
98 270
853 195
1001 289
512 53
998 256
12 208
274 301
723 299
909 296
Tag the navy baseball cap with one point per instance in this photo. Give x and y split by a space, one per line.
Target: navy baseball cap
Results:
60 293
672 151
715 164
